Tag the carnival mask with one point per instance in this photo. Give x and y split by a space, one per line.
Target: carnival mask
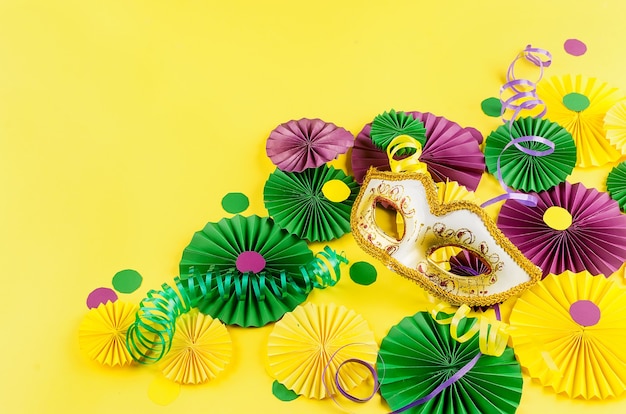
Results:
489 268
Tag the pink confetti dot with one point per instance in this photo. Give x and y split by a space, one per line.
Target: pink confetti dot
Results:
250 261
100 295
585 312
575 47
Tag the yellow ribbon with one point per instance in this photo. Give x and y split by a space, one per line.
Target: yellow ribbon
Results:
411 163
492 335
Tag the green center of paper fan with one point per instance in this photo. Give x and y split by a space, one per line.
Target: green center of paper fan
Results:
576 101
585 312
336 191
557 218
250 261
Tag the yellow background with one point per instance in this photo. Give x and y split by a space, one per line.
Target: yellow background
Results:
123 123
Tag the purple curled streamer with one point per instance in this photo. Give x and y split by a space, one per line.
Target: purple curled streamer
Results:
523 99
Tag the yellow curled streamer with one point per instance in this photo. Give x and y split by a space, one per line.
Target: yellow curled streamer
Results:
492 335
411 163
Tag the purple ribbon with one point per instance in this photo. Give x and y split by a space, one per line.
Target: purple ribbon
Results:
524 98
349 396
454 378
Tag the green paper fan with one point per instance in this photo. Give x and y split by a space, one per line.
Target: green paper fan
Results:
259 261
298 203
528 172
616 184
389 125
418 355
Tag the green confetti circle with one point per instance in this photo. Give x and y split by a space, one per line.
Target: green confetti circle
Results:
576 101
235 203
283 393
363 273
127 281
492 107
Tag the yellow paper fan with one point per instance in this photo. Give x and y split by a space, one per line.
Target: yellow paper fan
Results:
579 104
568 332
452 191
615 126
102 332
302 343
201 349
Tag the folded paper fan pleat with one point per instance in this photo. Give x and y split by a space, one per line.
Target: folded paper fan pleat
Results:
102 332
200 350
615 126
577 352
301 345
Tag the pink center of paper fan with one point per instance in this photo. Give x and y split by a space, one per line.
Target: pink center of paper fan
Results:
250 261
585 312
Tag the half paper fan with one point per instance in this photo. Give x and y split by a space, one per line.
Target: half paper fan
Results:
418 355
303 342
569 333
580 104
200 350
298 202
594 241
307 143
616 184
251 252
389 125
527 172
102 332
615 126
451 152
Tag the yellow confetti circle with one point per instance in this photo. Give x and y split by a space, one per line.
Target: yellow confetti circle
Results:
336 191
557 218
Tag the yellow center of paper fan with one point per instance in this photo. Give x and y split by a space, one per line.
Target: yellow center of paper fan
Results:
557 218
336 191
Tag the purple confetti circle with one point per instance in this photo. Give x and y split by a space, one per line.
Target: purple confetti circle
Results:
575 47
250 261
99 296
585 312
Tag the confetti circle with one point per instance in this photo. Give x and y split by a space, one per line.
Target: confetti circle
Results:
99 296
585 312
576 101
336 191
235 203
575 47
250 261
363 273
492 107
127 281
557 218
283 393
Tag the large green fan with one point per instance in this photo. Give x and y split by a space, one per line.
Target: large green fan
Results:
528 172
418 355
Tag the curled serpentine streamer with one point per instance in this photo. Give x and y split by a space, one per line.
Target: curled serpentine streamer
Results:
149 338
523 97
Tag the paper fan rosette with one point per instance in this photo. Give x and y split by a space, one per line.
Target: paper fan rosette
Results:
389 125
306 143
418 355
525 171
571 228
615 126
102 332
302 344
450 152
314 204
254 257
201 349
568 332
579 104
616 184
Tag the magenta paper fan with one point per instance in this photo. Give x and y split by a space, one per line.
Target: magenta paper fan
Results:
452 153
306 143
572 228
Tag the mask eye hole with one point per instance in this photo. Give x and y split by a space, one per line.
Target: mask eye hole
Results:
459 261
389 220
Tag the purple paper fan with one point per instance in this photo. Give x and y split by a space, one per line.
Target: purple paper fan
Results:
451 152
307 143
465 263
595 241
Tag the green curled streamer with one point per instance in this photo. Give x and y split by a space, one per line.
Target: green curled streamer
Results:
149 338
